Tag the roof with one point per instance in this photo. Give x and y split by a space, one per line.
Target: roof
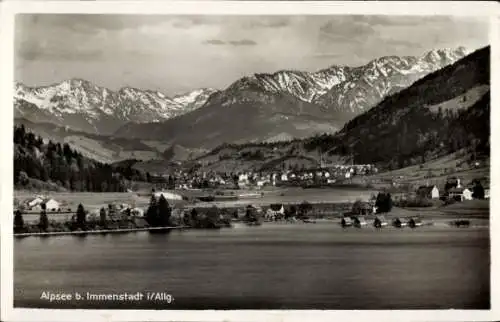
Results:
365 205
426 189
32 199
276 207
458 190
48 199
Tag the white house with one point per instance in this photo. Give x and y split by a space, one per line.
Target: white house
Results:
431 192
51 204
463 194
435 193
276 209
467 194
168 195
34 202
138 212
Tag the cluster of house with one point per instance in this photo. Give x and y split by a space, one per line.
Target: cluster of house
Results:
327 175
36 204
458 192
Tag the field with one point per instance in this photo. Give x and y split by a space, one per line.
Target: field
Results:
89 200
436 171
288 195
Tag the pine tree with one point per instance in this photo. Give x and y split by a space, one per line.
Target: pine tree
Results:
18 222
152 212
102 218
164 212
80 217
43 223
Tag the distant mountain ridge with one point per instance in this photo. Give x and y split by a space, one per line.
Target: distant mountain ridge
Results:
352 89
443 113
266 107
82 105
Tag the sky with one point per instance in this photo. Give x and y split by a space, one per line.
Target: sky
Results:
177 54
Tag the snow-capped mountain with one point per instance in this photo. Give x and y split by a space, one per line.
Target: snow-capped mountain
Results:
193 100
367 85
81 105
342 88
293 103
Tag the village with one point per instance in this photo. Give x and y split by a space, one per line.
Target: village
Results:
240 204
181 179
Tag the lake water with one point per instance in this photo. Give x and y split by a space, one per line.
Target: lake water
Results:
302 266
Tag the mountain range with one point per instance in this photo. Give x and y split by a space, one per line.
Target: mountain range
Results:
260 108
81 105
292 104
444 112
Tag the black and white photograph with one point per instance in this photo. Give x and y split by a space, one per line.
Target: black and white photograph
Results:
250 160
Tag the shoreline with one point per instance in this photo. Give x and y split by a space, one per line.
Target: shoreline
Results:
100 231
429 222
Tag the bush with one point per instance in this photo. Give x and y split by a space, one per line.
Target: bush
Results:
414 202
357 207
383 202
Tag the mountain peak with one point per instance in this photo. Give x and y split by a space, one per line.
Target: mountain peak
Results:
87 107
437 55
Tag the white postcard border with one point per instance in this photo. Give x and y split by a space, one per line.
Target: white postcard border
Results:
489 10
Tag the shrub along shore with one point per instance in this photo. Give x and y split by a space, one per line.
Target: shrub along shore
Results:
158 216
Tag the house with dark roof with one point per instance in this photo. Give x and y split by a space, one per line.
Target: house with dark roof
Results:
429 192
460 194
51 204
276 209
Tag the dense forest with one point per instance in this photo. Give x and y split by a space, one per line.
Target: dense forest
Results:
38 163
420 136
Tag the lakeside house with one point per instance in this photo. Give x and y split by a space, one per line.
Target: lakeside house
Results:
276 209
37 202
51 204
33 202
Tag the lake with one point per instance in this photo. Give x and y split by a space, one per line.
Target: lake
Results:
274 266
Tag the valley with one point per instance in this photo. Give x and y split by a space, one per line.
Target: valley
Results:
270 108
444 112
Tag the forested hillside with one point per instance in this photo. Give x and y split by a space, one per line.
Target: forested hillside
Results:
49 165
446 111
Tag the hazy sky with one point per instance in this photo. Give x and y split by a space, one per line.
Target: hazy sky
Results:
175 54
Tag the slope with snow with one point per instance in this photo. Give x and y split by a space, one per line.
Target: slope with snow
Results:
82 105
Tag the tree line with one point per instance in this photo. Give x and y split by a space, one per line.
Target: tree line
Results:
61 165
